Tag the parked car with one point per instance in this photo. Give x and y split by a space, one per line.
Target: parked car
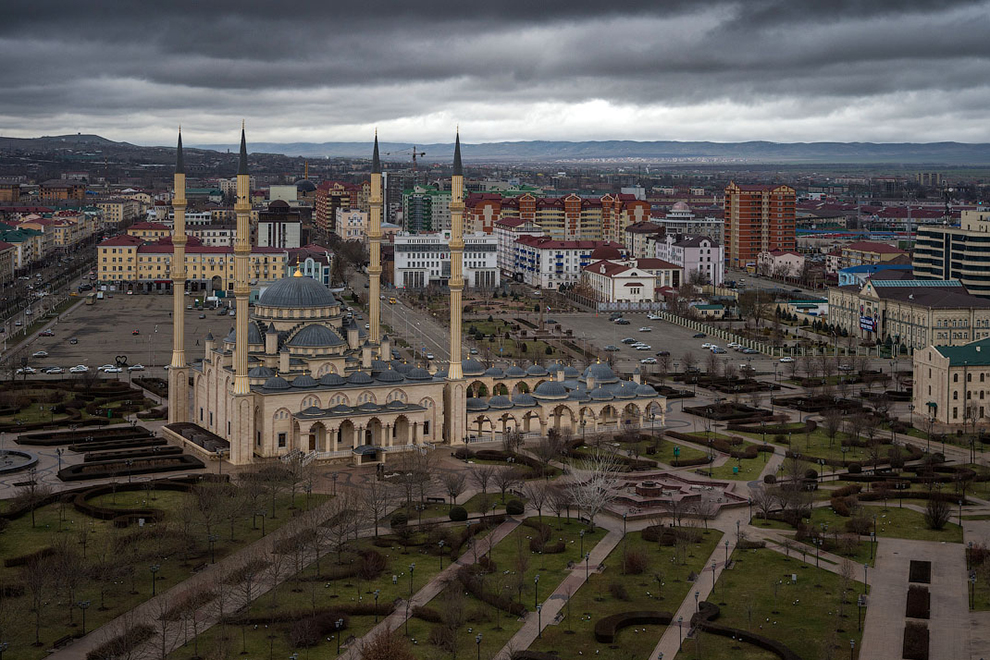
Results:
73 341
648 361
104 367
653 317
202 316
699 335
611 348
629 340
39 354
646 328
622 322
718 351
707 345
474 351
25 370
733 344
749 351
787 359
81 369
663 353
845 367
46 333
429 356
54 370
643 347
113 370
136 367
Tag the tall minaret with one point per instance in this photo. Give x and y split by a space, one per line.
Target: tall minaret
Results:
375 255
178 405
242 250
456 282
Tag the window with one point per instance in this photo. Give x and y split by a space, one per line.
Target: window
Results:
955 378
281 439
426 428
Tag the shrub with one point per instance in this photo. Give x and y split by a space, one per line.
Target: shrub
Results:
920 571
811 473
618 591
915 641
372 565
769 479
398 519
515 508
918 602
855 468
858 525
781 439
311 630
458 514
122 645
635 563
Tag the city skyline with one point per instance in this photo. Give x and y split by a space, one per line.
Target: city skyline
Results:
721 71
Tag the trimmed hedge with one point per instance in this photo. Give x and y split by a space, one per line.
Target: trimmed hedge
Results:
607 628
468 577
122 645
53 438
126 443
915 641
708 612
281 615
458 514
515 508
920 571
918 602
112 469
23 560
125 454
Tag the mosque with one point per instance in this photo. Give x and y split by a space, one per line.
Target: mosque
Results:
295 375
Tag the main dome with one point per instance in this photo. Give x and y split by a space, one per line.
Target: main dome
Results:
297 291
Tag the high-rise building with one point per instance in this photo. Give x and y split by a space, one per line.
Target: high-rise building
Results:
956 253
758 218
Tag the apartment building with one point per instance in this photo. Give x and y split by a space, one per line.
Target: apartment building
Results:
952 383
423 260
961 253
546 263
758 218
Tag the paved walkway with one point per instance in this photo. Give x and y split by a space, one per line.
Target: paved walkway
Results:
949 625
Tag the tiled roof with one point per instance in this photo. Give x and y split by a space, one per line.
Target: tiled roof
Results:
656 264
124 240
873 246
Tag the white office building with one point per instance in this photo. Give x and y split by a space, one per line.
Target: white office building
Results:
423 260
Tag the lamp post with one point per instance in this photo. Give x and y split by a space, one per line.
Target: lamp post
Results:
82 605
334 478
539 621
866 577
738 531
412 567
536 590
59 453
377 592
697 594
154 577
581 534
219 461
339 623
440 544
477 642
587 558
213 538
680 633
852 647
727 550
128 463
713 578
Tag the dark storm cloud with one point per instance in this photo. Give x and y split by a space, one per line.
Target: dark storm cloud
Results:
516 70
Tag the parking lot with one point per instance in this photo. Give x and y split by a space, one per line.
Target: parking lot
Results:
105 330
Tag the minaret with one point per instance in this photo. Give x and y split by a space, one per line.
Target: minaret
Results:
456 282
375 252
178 405
242 250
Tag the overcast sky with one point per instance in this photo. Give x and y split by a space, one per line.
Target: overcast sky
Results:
785 70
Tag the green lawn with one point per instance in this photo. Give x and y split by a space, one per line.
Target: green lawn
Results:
801 615
666 453
612 592
479 503
115 560
894 522
749 469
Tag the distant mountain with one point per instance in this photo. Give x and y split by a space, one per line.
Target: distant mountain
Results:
955 153
539 151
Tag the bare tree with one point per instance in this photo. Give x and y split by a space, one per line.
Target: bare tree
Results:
600 487
832 422
560 500
377 498
385 645
937 512
512 440
37 579
712 364
689 360
706 510
32 494
505 479
538 494
482 475
765 499
454 484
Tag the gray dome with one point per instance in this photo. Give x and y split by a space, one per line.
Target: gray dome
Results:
305 186
276 383
418 373
295 291
602 373
359 378
601 394
472 368
378 366
401 367
260 372
475 403
645 390
550 390
626 390
389 376
304 381
315 335
571 372
340 409
231 336
494 371
313 410
579 395
395 404
254 334
441 373
331 379
523 399
515 370
369 406
499 401
555 367
536 370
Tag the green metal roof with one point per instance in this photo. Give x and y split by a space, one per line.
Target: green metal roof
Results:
915 283
974 354
713 307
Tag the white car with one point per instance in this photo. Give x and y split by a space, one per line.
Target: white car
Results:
733 344
26 370
105 367
648 361
644 347
54 370
429 356
707 345
646 328
787 359
653 317
113 370
39 354
136 367
81 369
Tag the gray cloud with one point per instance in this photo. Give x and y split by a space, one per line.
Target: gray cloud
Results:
763 69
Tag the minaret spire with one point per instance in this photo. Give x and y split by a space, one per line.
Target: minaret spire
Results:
242 292
456 282
375 250
458 169
242 167
178 377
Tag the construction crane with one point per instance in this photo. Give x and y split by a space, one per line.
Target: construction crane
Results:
415 154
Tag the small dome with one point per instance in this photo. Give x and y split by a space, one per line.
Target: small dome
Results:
418 373
401 366
304 381
441 373
260 372
600 394
315 335
626 390
369 406
231 336
472 368
378 365
332 379
554 368
550 390
579 395
680 206
340 409
254 334
475 403
297 292
515 371
499 401
313 410
645 390
601 372
495 372
571 372
305 186
359 378
523 399
536 370
389 376
276 383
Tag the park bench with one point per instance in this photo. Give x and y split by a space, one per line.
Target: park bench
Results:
435 500
585 519
60 642
199 567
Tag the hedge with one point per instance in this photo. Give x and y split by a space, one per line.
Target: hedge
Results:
124 454
473 584
708 612
915 641
918 602
920 571
606 629
23 560
515 508
281 615
110 469
53 438
128 443
458 514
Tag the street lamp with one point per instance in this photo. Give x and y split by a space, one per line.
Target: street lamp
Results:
441 554
680 633
539 621
59 453
334 477
477 641
713 574
339 623
213 538
866 571
852 646
83 605
697 594
377 591
581 534
587 558
727 547
412 567
536 590
154 577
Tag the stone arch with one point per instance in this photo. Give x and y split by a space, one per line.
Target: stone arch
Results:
396 395
316 439
608 416
310 401
373 432
346 435
401 431
338 399
527 421
481 426
563 418
631 415
477 388
429 419
500 389
506 423
367 397
520 387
